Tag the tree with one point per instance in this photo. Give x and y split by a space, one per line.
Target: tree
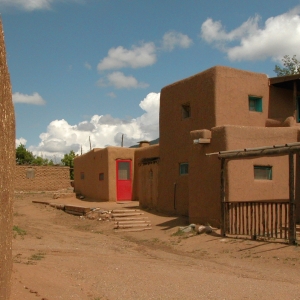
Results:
291 66
68 161
23 156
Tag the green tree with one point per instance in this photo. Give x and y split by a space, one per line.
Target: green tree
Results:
291 66
23 156
68 161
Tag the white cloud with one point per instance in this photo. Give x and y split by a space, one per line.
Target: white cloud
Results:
103 130
87 66
172 39
31 5
279 36
138 57
35 99
121 81
111 95
20 141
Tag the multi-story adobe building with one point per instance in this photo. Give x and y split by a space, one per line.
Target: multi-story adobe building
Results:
216 110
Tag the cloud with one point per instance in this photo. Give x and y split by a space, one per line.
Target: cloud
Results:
138 57
279 36
34 99
87 66
20 141
120 81
172 39
102 130
111 95
31 5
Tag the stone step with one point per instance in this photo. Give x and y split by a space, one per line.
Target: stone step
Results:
133 229
129 218
126 214
132 225
124 210
131 222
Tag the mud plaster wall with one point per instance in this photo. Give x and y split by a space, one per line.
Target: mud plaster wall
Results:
204 183
46 178
7 169
199 92
233 87
146 178
92 164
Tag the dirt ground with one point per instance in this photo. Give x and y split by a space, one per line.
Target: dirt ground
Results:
62 256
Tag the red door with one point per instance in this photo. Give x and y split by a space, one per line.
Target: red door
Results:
124 186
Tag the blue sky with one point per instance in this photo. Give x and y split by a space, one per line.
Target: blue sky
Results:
93 68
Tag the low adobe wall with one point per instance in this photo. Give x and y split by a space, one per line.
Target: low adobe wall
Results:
41 178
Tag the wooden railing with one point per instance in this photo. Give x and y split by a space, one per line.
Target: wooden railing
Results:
260 218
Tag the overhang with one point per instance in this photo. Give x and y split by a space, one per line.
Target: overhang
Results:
286 82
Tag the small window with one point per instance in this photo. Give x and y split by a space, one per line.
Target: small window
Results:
101 176
255 103
186 111
81 175
151 174
263 172
184 168
30 173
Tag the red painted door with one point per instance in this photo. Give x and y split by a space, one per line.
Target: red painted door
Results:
124 184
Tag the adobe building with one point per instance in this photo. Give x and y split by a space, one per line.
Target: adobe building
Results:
7 171
216 110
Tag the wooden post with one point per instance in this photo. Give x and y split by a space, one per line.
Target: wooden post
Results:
295 101
223 209
292 217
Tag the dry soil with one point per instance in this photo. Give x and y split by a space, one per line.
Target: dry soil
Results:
61 256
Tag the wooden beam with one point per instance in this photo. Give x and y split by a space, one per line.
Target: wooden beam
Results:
222 198
292 216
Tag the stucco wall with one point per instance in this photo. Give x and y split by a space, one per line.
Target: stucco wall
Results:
46 178
281 103
240 183
146 178
233 87
92 164
199 92
7 169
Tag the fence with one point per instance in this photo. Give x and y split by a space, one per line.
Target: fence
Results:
260 218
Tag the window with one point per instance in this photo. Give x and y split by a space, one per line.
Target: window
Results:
186 111
124 170
81 175
101 176
30 173
263 172
255 103
183 168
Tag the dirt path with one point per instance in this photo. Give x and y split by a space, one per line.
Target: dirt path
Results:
62 256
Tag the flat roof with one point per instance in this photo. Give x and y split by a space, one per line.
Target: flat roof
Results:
286 82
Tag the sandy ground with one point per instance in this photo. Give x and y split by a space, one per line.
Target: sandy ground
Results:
62 256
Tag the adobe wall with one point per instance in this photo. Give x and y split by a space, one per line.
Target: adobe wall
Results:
86 174
46 178
240 184
146 178
7 172
199 92
233 87
92 164
281 103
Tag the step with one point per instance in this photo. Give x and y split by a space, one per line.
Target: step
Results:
126 214
132 225
129 218
124 210
131 222
133 229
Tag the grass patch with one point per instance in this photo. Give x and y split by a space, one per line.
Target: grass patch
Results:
37 256
18 231
178 233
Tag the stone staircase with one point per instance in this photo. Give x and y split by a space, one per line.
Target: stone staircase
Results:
130 220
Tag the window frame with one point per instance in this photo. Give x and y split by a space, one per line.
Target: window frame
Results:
82 175
185 111
258 103
101 176
268 169
183 168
